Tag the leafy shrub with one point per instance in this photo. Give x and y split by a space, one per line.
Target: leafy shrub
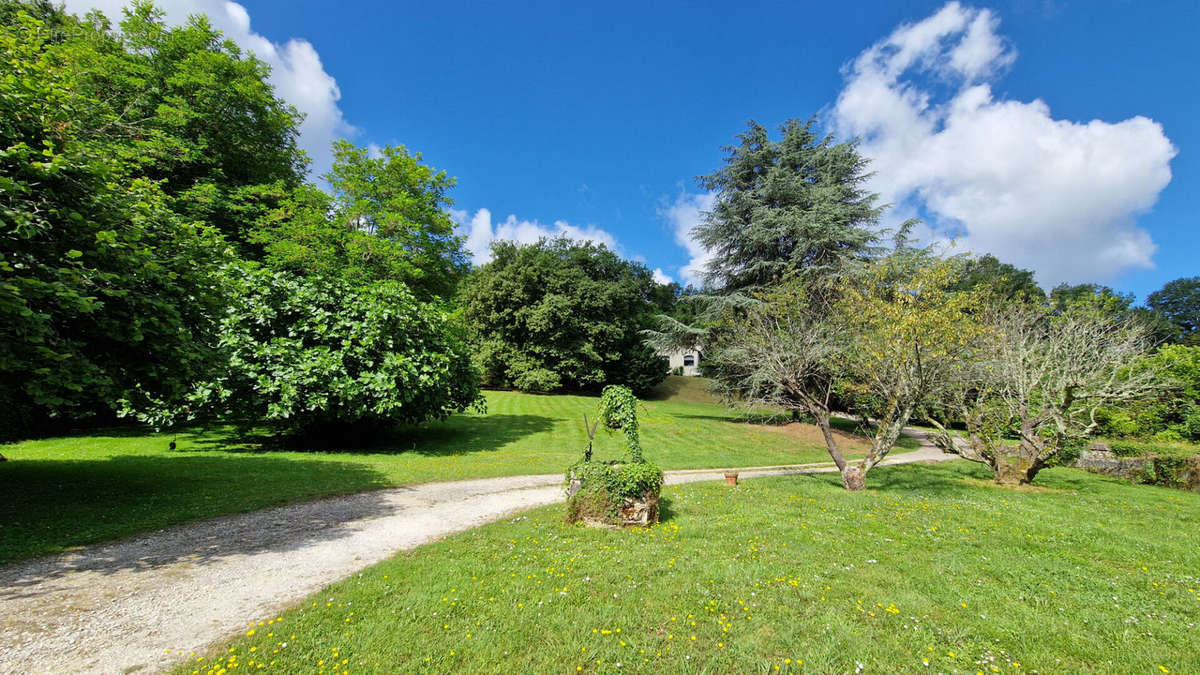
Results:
307 355
1068 455
1135 448
1172 471
1174 415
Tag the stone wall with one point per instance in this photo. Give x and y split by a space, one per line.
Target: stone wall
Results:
1172 472
1099 458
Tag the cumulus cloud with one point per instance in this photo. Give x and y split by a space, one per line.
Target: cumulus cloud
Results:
661 277
683 214
1001 176
296 70
480 232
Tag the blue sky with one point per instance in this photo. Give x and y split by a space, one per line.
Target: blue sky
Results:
1062 136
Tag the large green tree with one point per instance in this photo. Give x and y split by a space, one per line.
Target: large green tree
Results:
796 205
385 218
790 217
105 290
1179 302
1104 300
561 315
192 112
1005 280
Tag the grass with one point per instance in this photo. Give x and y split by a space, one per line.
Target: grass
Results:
1139 446
932 570
75 490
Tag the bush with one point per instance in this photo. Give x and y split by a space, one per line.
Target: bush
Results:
1174 415
1172 471
311 356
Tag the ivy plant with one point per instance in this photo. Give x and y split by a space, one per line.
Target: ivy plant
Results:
618 410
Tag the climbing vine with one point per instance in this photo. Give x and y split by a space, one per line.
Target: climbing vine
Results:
618 410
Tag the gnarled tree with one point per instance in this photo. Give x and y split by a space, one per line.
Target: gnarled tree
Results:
787 352
1041 378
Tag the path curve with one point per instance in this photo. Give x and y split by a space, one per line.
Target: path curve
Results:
136 603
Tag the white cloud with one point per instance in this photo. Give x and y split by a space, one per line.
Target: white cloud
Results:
481 232
683 215
1005 177
296 70
661 277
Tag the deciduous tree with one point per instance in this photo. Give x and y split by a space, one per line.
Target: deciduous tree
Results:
561 315
1042 378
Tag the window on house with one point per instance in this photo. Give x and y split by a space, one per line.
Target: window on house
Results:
689 360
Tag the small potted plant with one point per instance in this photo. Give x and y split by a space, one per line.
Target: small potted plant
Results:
621 493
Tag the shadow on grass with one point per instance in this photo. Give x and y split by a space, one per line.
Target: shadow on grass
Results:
458 435
964 478
54 506
665 512
940 479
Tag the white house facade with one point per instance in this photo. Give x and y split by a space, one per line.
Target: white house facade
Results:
685 360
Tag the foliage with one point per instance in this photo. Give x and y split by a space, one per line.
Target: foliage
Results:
911 335
618 410
1173 413
189 110
1104 300
604 487
319 356
1172 471
561 315
790 218
1138 448
792 206
1002 279
1179 302
105 291
385 219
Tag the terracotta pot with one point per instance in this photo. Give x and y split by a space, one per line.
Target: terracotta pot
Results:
731 478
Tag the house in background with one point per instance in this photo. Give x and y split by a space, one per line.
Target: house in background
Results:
686 359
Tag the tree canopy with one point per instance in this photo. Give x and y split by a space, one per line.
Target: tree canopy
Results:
145 173
1005 280
1179 302
105 289
562 315
385 219
790 206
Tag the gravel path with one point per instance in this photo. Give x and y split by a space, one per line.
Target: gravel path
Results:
132 605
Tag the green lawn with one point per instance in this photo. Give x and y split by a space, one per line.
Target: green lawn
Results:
69 491
1141 446
932 570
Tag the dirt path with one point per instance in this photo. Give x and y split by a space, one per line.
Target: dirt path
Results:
137 603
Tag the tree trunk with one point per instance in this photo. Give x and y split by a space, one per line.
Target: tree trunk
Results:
853 478
1015 470
822 417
